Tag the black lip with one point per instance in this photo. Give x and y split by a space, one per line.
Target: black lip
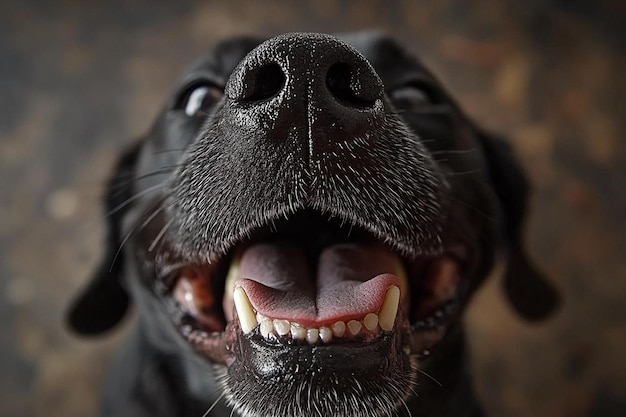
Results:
384 376
276 360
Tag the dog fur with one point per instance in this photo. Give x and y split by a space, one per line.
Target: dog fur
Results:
197 184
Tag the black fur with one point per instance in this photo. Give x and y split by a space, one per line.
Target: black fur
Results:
379 145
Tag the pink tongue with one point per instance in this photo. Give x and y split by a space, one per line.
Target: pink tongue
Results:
351 281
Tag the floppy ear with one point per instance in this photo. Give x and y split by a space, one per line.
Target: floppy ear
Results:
104 302
530 293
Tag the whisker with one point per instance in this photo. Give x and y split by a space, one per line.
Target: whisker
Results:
413 382
134 197
453 151
163 151
123 180
122 184
214 404
396 390
458 174
136 228
431 377
471 207
160 235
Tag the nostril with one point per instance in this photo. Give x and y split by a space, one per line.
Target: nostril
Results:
266 82
345 87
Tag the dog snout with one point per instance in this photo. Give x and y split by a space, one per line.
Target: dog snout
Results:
313 82
305 121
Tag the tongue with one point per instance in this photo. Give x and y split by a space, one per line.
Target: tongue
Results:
346 282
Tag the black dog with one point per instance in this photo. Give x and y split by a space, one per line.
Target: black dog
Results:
301 231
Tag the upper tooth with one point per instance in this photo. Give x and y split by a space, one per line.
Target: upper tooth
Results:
184 295
387 313
447 278
233 274
400 273
246 315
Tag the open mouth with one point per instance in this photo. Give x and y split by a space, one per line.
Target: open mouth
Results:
311 280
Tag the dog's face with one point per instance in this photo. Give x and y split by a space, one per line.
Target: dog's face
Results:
312 215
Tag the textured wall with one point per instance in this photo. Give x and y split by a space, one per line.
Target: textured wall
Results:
78 82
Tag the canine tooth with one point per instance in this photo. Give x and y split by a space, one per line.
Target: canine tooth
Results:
297 331
354 326
233 273
282 327
184 296
339 328
370 321
447 278
389 310
404 281
312 335
325 334
266 328
247 318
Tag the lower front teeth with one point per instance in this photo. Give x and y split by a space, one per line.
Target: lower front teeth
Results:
274 328
311 336
325 334
282 327
339 328
354 327
370 321
298 332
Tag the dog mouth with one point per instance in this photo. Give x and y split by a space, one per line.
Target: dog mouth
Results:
318 281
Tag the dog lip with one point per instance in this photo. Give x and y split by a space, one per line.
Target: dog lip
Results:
216 342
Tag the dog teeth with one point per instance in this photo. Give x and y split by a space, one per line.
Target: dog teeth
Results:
354 327
370 321
298 332
247 318
282 327
389 310
233 275
184 296
279 328
326 334
339 328
266 329
312 335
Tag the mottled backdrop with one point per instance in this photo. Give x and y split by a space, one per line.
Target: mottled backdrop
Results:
79 81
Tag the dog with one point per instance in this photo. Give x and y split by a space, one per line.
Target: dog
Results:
300 232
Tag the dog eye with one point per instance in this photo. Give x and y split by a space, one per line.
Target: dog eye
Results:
412 97
198 100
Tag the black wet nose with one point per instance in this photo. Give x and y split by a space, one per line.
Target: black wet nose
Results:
311 82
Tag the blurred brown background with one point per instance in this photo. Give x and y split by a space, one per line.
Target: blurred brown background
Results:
79 81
